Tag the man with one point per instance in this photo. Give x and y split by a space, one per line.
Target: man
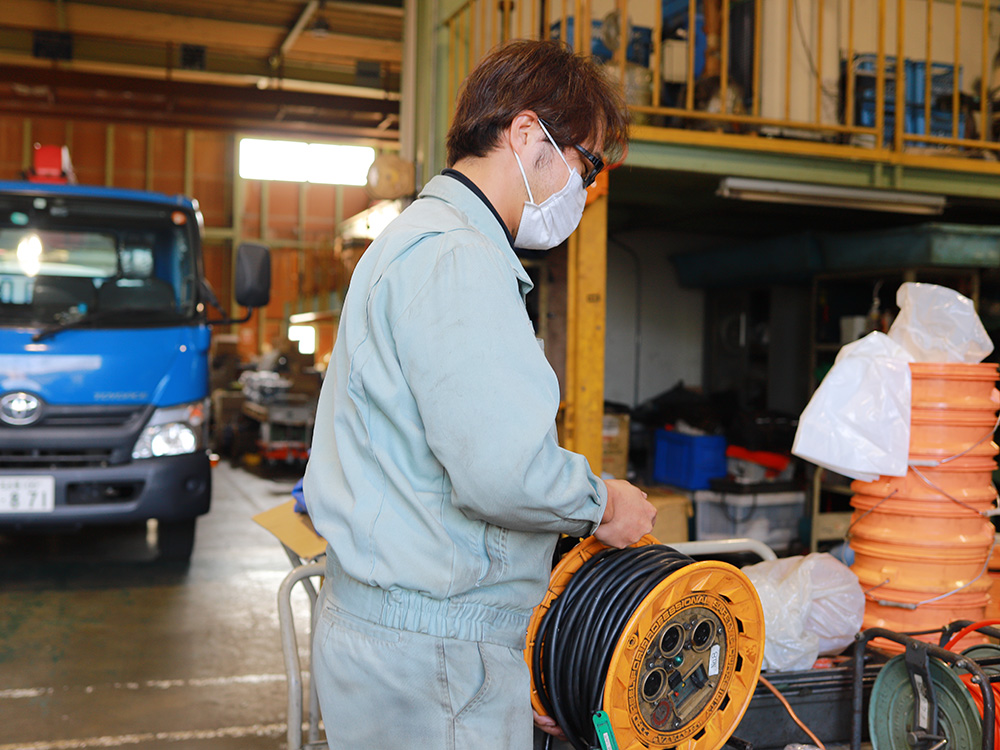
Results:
435 474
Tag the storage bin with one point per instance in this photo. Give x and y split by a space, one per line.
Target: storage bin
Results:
688 461
942 85
770 517
639 45
942 80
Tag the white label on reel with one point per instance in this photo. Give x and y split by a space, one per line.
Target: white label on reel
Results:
713 660
923 703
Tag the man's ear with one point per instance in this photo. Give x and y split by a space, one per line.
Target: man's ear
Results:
519 134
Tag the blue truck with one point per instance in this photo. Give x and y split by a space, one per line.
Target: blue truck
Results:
104 345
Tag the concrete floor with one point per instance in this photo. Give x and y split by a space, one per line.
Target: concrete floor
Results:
104 646
101 645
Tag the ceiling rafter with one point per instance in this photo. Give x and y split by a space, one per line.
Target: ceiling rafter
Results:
261 62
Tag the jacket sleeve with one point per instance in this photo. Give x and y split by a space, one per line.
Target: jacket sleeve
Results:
488 399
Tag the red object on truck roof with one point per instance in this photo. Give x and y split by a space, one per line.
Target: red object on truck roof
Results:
51 164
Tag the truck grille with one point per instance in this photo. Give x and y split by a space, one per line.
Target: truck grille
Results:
91 416
69 437
45 459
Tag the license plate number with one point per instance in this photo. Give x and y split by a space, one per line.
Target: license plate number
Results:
27 494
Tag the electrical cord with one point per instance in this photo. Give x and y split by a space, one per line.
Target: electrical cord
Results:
578 634
788 707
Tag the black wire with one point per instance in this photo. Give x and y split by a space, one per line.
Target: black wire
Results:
578 634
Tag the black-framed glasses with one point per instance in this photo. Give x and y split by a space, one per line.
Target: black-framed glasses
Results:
596 165
596 162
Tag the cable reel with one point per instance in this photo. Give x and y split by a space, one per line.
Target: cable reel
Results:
668 648
942 709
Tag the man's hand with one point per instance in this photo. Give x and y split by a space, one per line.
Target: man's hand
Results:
548 725
627 517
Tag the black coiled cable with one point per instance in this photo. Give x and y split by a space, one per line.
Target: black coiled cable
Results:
578 634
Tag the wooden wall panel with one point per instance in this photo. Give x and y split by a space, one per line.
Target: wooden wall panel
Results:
272 335
130 157
284 280
213 177
218 269
168 160
88 148
321 273
48 132
250 226
246 343
11 144
321 213
283 211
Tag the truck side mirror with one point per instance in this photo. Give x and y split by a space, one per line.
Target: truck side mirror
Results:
253 275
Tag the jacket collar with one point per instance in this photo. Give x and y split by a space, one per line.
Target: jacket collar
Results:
481 216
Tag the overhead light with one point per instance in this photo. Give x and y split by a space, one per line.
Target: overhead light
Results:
806 194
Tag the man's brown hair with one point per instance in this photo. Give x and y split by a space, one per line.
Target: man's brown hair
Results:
570 92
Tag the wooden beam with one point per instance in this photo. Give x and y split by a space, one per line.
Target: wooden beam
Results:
177 90
327 128
148 26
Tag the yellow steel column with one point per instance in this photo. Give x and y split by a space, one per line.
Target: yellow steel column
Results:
587 276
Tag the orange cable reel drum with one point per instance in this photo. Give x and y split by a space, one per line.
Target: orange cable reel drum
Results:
679 674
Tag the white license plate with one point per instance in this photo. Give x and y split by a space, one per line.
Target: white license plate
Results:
27 494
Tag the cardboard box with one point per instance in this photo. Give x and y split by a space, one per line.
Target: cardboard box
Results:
226 405
294 530
673 512
225 370
225 345
306 382
615 434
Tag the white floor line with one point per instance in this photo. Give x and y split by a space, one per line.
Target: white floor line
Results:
244 679
255 730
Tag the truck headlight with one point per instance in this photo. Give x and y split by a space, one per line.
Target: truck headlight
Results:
173 431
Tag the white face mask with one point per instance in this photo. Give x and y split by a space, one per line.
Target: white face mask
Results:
545 225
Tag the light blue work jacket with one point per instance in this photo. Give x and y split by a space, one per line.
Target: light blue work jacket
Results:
435 474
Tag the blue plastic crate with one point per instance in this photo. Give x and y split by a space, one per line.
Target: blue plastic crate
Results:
688 461
639 46
942 80
940 122
865 116
913 123
866 73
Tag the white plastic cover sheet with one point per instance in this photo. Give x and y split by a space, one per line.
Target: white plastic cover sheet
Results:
813 606
937 324
858 421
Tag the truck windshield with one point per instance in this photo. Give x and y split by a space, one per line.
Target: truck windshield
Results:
64 258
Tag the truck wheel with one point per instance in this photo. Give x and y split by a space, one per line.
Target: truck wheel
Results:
175 539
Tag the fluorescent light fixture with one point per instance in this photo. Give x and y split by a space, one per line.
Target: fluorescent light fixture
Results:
806 194
295 161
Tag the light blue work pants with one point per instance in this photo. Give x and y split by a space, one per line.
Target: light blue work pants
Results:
381 688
